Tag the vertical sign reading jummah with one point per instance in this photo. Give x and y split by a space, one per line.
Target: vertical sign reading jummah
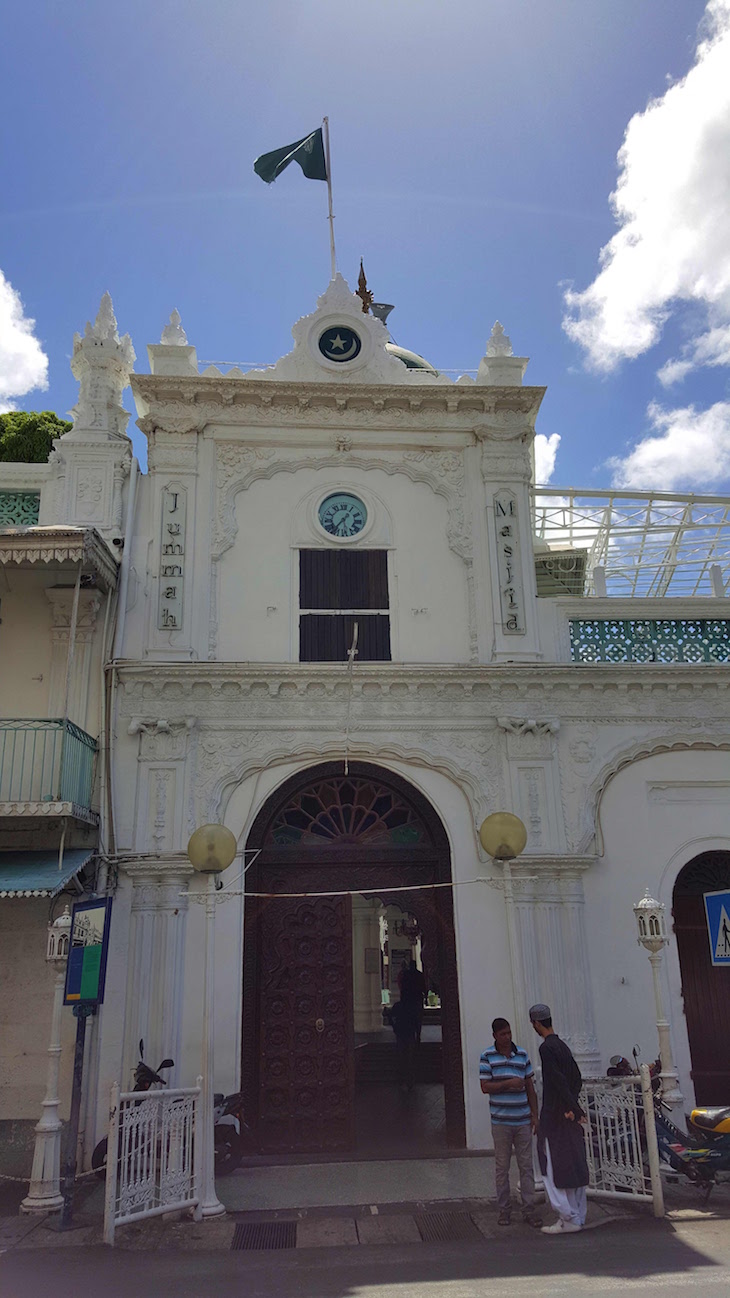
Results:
172 559
511 599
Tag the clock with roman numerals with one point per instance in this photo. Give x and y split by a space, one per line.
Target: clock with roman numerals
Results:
342 514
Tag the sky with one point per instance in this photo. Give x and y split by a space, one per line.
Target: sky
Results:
560 165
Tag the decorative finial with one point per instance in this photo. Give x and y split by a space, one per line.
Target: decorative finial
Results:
362 291
104 327
173 334
499 343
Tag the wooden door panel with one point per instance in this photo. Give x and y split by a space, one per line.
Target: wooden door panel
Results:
306 1073
706 992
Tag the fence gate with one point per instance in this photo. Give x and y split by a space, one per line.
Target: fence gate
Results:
153 1155
621 1142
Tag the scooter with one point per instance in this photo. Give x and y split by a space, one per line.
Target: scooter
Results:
228 1132
144 1079
700 1153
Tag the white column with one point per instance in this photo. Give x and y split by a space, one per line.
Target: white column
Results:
157 930
528 947
44 1194
579 1028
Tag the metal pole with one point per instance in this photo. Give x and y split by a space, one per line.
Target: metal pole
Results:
81 1013
330 216
71 646
670 1078
652 1145
44 1192
210 1205
112 1160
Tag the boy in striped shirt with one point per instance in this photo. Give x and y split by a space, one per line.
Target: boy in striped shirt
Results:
506 1076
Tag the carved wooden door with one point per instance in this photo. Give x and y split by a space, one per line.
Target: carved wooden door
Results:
307 1063
705 987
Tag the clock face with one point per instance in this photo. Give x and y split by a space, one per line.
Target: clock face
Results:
340 343
342 514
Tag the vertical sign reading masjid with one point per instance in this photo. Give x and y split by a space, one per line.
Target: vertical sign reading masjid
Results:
508 560
172 559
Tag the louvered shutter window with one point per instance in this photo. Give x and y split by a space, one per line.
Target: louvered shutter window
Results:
336 589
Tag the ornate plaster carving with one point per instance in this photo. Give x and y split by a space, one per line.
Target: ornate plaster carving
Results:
226 758
162 740
648 746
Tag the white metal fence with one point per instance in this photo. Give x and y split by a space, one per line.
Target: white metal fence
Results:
621 1141
153 1155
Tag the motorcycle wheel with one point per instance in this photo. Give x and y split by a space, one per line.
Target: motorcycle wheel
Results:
98 1159
228 1150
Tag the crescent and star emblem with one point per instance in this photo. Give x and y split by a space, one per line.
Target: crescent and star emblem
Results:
340 344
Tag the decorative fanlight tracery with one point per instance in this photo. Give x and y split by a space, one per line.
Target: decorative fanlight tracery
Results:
347 810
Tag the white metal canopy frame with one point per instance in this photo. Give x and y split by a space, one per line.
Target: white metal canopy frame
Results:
648 544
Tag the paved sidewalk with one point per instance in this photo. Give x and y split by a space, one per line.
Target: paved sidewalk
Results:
341 1205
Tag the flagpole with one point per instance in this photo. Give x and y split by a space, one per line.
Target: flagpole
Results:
330 216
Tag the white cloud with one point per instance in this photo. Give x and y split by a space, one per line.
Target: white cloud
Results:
687 448
23 363
546 448
672 205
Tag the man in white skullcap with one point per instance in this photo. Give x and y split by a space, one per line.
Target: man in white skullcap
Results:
560 1140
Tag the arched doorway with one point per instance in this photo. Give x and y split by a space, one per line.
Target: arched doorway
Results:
705 987
366 832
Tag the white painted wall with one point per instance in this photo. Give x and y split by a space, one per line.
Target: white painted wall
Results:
656 814
259 588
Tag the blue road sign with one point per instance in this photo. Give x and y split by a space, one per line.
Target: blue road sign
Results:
717 908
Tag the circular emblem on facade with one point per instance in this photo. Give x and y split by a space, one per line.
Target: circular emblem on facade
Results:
340 343
342 514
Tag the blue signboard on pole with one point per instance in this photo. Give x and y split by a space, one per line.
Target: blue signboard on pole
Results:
717 907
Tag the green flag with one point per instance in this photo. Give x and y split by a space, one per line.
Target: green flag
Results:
309 153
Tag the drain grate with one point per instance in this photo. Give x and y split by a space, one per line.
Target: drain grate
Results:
444 1227
250 1235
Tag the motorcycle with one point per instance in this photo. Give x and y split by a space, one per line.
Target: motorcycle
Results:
703 1151
144 1079
229 1127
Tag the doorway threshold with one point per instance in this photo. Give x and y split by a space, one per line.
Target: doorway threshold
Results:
290 1186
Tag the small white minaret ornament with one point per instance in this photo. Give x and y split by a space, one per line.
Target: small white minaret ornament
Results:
499 367
173 354
173 334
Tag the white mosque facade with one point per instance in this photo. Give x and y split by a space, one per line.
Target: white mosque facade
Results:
497 665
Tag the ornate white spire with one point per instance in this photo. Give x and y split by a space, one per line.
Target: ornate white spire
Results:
102 363
499 343
173 334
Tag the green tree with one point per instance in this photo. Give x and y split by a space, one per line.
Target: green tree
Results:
26 436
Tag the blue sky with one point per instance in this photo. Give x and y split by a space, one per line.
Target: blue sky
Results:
474 150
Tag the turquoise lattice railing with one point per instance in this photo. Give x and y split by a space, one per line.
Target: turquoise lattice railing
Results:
46 761
649 640
19 508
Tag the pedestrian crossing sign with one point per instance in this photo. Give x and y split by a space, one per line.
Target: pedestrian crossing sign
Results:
717 909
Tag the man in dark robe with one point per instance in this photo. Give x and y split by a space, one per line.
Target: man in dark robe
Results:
560 1140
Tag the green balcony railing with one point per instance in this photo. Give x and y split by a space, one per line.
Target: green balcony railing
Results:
649 640
46 761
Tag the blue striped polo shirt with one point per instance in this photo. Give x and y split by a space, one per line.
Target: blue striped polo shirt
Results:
508 1108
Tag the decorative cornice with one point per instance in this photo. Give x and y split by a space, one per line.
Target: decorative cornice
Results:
183 405
621 683
60 545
